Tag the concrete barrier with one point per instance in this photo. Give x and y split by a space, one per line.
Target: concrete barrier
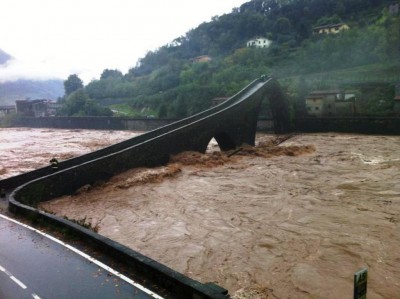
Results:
363 125
93 123
171 283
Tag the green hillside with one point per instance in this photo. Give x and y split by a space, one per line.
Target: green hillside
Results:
173 83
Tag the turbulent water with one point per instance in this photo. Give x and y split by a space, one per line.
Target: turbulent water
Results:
289 221
25 149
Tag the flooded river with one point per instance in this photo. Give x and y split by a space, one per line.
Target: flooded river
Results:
25 149
293 221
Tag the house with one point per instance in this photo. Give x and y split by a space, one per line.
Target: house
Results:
36 108
52 108
330 29
321 102
259 42
203 58
6 109
345 105
330 103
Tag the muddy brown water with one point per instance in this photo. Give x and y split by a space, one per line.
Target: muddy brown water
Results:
26 149
290 222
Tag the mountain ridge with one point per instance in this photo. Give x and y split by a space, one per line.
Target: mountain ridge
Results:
4 57
22 89
30 89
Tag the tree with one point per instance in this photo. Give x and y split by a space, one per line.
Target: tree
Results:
79 104
168 83
283 25
92 108
162 112
73 83
74 103
107 73
393 37
180 108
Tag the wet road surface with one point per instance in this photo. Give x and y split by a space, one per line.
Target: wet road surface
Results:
32 265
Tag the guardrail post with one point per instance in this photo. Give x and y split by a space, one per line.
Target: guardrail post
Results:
360 284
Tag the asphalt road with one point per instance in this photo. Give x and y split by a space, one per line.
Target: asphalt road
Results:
35 265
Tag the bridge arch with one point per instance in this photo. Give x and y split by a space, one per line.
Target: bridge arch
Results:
225 142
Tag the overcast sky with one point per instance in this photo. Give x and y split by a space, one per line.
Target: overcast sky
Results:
56 38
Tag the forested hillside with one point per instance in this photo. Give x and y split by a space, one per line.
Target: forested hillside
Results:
169 82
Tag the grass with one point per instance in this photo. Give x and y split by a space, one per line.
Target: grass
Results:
125 110
376 73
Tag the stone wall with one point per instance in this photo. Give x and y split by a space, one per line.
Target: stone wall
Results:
111 123
363 125
94 123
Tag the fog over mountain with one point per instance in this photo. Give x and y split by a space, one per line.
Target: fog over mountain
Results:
30 89
4 57
12 89
54 39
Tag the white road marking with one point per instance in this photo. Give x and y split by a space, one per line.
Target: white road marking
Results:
89 258
18 282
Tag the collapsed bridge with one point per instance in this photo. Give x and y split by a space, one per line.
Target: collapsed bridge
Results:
231 123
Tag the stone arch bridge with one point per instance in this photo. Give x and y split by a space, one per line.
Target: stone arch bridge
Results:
231 123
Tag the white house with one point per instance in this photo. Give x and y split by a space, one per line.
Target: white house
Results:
259 42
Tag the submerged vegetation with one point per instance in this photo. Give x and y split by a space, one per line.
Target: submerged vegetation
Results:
173 81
